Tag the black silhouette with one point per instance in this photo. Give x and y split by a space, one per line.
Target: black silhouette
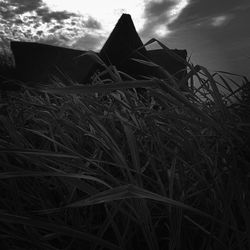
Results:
40 63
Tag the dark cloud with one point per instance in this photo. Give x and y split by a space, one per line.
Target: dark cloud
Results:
47 15
55 28
11 9
39 33
18 22
156 9
62 27
5 12
156 14
196 13
201 11
23 6
218 47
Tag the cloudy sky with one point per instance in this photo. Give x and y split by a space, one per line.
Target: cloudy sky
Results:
214 32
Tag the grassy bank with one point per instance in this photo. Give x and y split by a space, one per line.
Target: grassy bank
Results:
94 167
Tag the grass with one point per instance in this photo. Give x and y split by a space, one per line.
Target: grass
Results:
107 167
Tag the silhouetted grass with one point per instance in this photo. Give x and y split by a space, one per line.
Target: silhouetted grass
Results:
106 167
6 68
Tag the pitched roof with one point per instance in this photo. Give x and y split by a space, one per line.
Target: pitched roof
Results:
35 61
122 42
38 62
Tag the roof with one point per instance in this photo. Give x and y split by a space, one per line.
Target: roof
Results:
40 63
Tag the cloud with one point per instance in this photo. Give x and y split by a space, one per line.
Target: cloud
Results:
55 28
39 32
159 14
212 12
221 20
214 34
89 42
47 15
91 23
17 11
34 21
51 40
25 6
158 8
11 8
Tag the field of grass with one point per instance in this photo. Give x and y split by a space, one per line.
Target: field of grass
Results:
109 167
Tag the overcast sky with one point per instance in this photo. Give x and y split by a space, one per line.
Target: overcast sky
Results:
214 32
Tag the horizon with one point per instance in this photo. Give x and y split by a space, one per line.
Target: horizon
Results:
213 34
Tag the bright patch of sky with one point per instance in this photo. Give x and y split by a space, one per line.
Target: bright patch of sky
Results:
162 31
106 12
220 20
177 9
172 15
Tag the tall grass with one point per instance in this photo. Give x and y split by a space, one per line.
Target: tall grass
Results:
6 68
110 167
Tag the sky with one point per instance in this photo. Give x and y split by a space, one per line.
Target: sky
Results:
214 32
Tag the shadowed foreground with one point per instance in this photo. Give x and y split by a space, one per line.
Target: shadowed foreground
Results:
108 168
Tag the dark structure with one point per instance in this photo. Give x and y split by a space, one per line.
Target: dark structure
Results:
40 63
122 45
169 63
